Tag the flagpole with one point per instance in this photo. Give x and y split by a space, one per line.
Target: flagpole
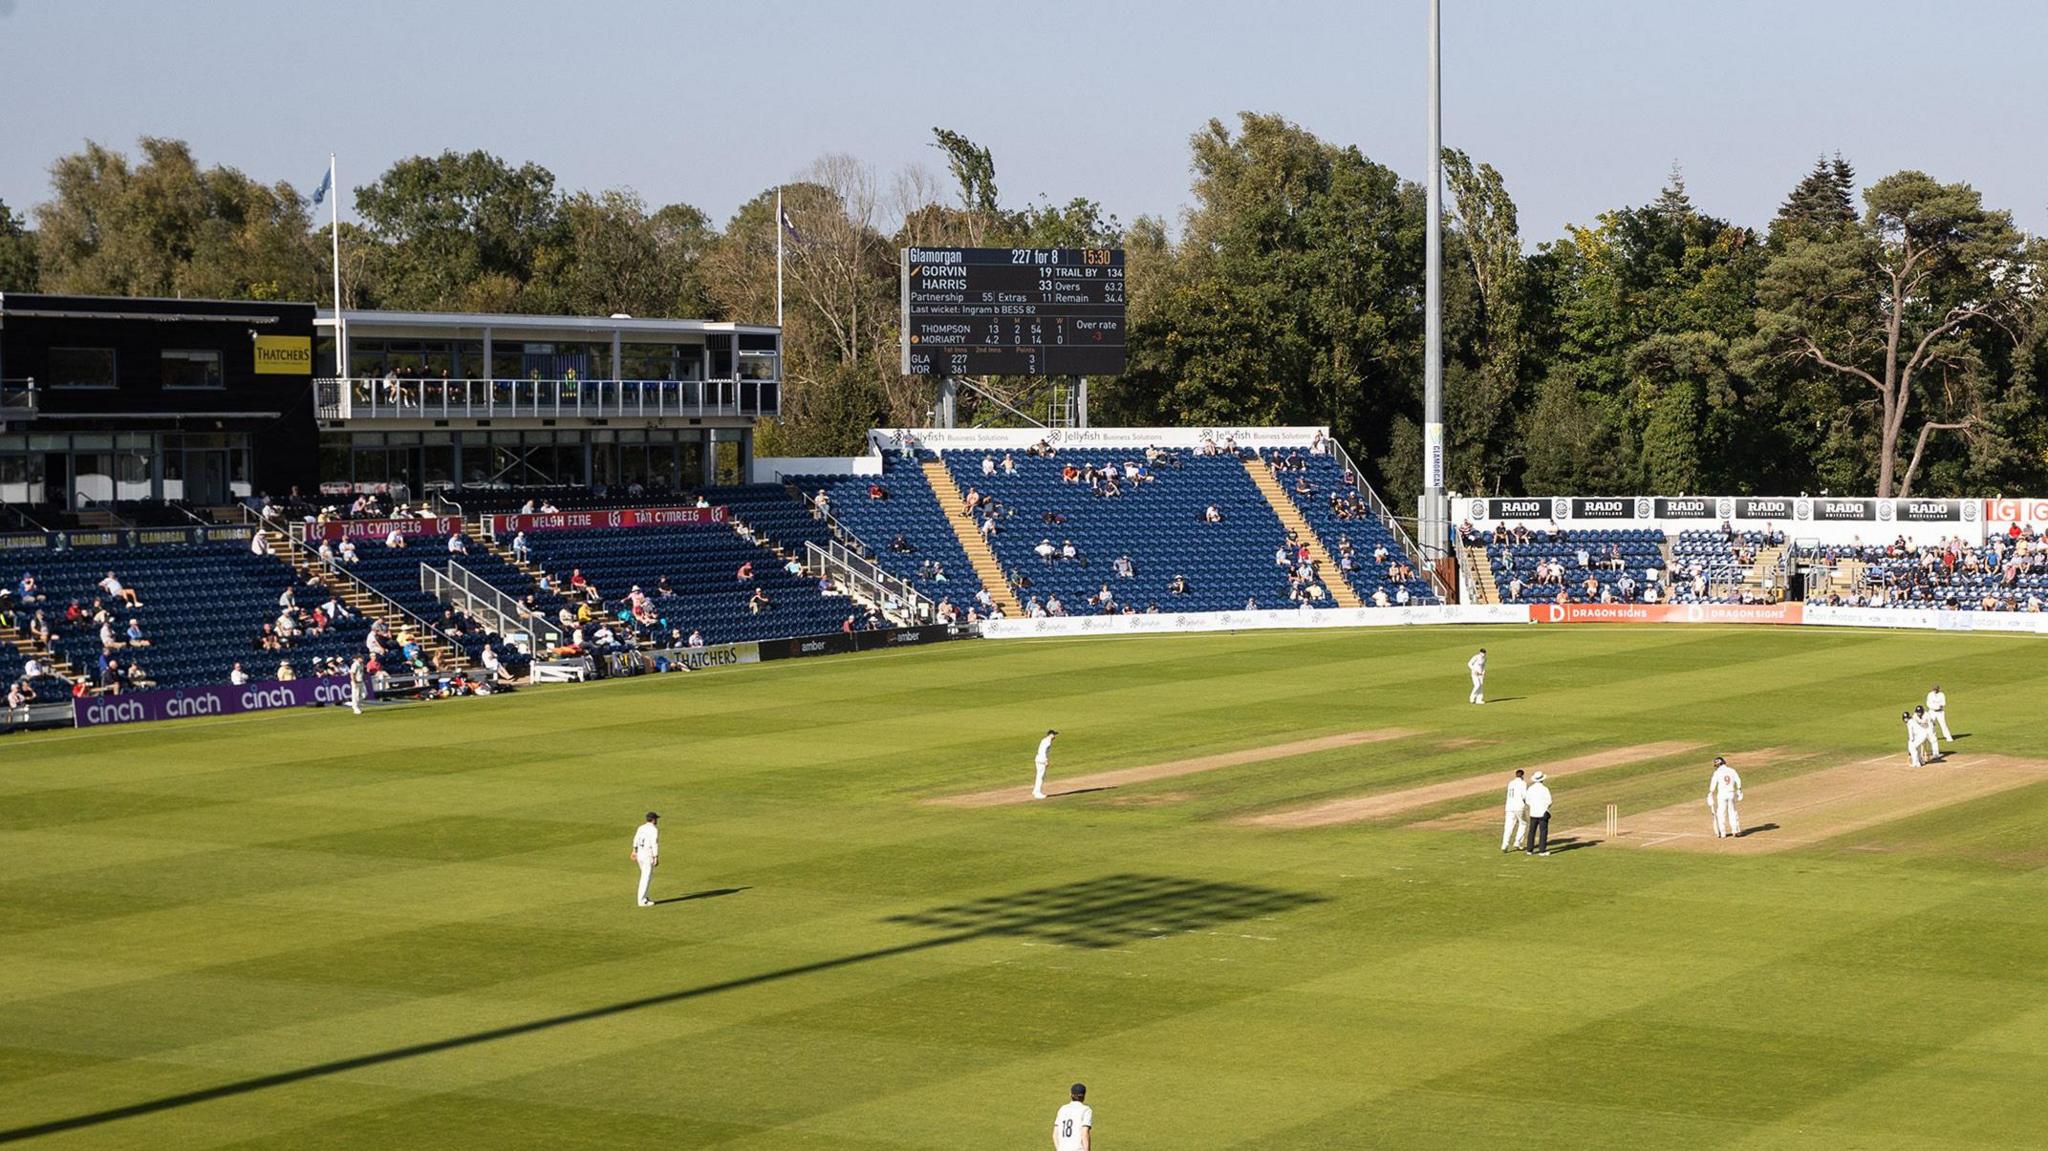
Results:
334 234
778 255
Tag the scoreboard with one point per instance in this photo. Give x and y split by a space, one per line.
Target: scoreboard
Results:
1013 311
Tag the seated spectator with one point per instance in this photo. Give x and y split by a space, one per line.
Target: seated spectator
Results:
135 636
662 588
794 568
877 492
458 545
696 638
1178 585
112 585
1046 551
395 540
901 545
28 591
259 544
348 551
520 551
1212 514
1009 465
1401 596
745 574
1125 569
759 602
1068 551
285 674
988 464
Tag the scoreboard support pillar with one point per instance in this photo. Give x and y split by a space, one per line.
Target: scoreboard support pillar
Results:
945 413
1081 402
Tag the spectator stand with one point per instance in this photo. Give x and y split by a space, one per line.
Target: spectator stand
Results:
358 593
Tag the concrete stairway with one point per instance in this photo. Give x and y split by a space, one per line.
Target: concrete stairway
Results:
26 644
1291 518
1767 561
979 556
363 601
1484 589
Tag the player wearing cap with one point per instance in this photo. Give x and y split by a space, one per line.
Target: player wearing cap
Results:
1538 800
1477 666
1044 750
1724 787
1516 830
1073 1129
647 853
1937 710
1914 737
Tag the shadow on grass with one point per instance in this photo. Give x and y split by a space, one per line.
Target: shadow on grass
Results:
1759 829
712 893
1109 911
1564 843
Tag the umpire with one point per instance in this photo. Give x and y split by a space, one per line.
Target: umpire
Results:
1538 799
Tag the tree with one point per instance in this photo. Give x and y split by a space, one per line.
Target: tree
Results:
613 257
1490 241
1898 304
166 227
17 253
460 232
974 169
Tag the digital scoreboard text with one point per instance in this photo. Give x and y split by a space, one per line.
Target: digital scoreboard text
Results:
1013 311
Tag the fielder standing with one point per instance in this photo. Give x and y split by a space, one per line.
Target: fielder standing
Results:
1724 788
1516 830
355 685
1477 665
1937 710
1538 799
1073 1129
647 853
1044 751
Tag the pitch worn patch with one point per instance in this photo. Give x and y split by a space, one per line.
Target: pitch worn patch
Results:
1577 804
1354 808
1780 815
1103 780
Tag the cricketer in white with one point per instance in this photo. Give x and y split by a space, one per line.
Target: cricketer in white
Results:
1516 830
1724 787
1044 751
647 853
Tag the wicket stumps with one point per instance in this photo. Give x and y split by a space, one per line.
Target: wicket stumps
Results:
1613 819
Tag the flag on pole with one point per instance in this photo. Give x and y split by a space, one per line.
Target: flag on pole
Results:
787 226
326 183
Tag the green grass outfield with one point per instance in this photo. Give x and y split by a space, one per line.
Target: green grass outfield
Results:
416 929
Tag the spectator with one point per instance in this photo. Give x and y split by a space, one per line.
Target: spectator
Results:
877 492
1009 465
348 551
1213 514
111 585
259 544
662 588
31 592
457 544
519 548
988 464
1068 551
395 540
696 638
759 602
1046 551
901 545
1178 585
745 574
285 674
135 636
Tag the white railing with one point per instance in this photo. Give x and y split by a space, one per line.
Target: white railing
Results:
488 604
865 581
397 398
1422 562
18 397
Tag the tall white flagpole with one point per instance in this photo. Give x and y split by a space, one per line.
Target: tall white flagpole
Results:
334 234
1433 523
778 255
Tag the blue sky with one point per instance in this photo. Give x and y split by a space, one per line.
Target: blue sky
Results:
1583 104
